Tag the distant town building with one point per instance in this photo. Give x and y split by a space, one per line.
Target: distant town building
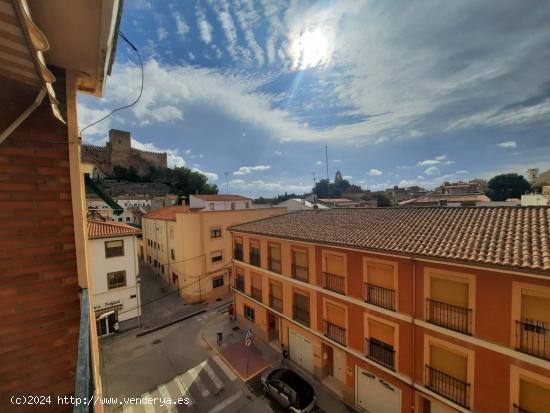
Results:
219 202
472 187
535 200
536 178
119 152
113 249
297 204
346 203
437 199
191 248
397 194
134 208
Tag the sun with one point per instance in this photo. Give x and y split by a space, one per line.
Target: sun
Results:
312 48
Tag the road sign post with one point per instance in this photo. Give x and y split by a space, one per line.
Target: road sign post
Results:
247 343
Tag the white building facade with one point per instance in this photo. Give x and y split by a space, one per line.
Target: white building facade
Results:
219 202
113 249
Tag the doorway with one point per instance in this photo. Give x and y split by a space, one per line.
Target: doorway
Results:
272 327
106 323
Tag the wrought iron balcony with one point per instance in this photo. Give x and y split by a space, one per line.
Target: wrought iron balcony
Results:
449 316
276 303
447 386
255 259
379 296
533 337
238 252
239 284
518 409
256 293
274 265
300 272
84 380
301 315
335 332
334 282
380 352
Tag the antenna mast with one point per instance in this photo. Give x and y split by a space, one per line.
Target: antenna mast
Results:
328 180
226 183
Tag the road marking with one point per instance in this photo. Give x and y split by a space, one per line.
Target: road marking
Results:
226 402
217 382
184 390
192 376
148 407
228 372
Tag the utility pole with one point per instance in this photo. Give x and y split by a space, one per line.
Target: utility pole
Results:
226 183
328 180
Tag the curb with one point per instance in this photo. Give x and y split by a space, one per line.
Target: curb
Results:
177 320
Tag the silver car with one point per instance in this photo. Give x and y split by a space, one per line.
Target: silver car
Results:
289 389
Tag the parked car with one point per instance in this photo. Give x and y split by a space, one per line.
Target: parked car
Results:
289 390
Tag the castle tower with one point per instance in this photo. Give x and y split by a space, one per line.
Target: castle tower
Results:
532 175
338 177
120 146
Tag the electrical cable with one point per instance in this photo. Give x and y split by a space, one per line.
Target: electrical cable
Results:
123 37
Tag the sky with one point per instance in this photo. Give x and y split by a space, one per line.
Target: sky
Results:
249 92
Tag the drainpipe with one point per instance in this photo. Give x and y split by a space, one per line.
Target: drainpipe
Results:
21 118
413 326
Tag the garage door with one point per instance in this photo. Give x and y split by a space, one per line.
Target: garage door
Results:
374 395
300 350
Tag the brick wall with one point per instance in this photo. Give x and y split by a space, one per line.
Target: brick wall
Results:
39 302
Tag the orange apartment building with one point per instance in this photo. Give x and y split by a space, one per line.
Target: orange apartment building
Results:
423 310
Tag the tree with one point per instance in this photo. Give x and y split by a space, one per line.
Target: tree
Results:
504 186
185 182
120 173
382 200
321 188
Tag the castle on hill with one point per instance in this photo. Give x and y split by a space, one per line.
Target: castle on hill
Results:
119 152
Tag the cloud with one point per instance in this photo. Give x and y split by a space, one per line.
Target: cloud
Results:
441 159
381 139
508 144
337 160
162 33
188 151
462 172
432 170
167 113
428 162
210 175
374 172
278 153
269 188
205 28
318 162
87 116
245 170
181 26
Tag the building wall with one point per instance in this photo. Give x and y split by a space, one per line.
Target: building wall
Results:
494 298
192 270
100 266
39 291
195 202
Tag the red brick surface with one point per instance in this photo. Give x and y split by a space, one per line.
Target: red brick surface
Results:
39 299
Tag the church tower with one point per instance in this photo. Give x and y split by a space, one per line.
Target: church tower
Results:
338 177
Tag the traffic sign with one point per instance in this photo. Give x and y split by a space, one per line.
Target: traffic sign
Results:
247 342
247 333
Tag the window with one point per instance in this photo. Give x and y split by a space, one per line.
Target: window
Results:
172 233
120 220
211 206
232 205
274 257
238 250
172 254
116 279
301 308
162 268
127 219
379 288
217 256
379 345
217 281
114 248
533 327
215 232
335 323
256 287
300 264
249 313
276 296
247 205
239 282
255 253
334 273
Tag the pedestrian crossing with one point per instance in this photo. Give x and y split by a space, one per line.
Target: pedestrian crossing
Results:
200 382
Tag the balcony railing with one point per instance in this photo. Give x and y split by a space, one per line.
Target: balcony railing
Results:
379 296
238 253
239 284
447 386
274 265
533 337
380 352
84 380
256 293
300 272
449 316
334 282
276 303
300 315
255 259
518 409
335 332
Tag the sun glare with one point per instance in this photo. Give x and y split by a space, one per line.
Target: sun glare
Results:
310 49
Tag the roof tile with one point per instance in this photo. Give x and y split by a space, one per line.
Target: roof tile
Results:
103 229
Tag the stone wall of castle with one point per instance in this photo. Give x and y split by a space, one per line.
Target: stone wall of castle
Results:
119 151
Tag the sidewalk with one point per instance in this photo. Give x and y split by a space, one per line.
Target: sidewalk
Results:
233 352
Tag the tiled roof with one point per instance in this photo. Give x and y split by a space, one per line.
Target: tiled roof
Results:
103 229
168 213
223 197
498 236
431 198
